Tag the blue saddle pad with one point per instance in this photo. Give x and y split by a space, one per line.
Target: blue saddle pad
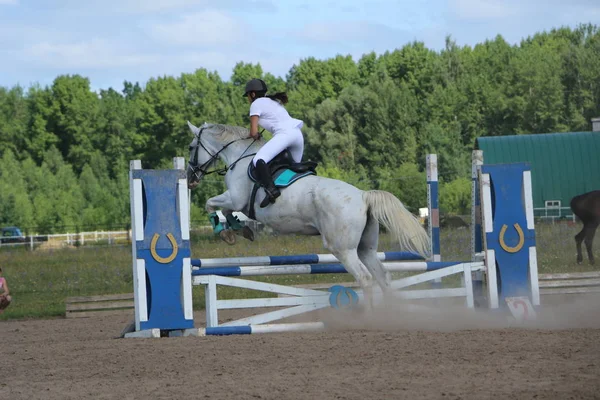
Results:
285 177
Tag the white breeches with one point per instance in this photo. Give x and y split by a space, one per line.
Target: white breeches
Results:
291 139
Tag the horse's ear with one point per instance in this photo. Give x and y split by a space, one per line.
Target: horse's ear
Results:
193 128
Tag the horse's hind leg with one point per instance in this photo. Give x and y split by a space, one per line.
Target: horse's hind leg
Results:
349 258
589 239
578 240
367 252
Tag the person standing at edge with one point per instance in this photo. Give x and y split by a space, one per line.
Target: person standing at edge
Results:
5 298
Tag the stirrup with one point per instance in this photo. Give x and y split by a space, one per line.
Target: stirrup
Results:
271 195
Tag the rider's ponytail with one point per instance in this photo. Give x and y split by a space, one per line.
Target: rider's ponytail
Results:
280 97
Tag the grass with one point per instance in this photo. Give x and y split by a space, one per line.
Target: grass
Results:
41 280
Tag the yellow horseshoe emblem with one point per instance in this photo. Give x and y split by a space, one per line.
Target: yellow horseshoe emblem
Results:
519 245
163 260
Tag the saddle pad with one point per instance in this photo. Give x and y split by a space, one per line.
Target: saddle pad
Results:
285 177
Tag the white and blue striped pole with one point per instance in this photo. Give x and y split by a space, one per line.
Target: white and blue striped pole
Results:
311 269
434 211
296 259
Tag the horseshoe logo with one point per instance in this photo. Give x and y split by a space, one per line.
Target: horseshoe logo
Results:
342 297
163 260
519 245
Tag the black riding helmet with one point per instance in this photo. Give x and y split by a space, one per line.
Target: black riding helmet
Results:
255 85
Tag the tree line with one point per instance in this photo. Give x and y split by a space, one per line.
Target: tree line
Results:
65 149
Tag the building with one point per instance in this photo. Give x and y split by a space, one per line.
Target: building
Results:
563 165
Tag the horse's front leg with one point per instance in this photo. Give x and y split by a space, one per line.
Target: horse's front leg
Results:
222 201
227 205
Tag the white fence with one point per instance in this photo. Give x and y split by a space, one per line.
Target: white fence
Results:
552 214
72 239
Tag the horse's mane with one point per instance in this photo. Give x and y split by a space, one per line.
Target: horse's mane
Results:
226 133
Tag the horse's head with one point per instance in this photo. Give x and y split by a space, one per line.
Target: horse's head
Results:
214 141
202 156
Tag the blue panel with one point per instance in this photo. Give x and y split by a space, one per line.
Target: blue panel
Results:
435 239
327 269
434 194
298 259
163 279
401 256
435 265
220 271
229 330
508 209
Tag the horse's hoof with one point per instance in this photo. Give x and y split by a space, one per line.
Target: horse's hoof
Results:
248 233
227 236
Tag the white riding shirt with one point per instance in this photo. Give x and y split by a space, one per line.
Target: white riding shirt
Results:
272 116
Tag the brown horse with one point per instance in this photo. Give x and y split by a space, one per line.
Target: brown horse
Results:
587 208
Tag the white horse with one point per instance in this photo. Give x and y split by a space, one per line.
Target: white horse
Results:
346 217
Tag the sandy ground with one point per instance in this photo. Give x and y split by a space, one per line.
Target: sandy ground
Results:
449 353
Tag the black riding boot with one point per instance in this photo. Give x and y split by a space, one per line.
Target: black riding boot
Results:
266 180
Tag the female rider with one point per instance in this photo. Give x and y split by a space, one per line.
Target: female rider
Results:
269 112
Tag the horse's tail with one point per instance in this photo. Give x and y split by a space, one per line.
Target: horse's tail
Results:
391 213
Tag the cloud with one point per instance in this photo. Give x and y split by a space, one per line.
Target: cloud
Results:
484 9
361 31
161 6
208 28
94 54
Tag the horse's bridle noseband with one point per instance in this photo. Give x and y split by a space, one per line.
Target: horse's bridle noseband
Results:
193 163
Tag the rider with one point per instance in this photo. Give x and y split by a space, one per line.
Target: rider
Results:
269 112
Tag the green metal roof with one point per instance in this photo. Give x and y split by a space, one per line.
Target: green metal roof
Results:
562 164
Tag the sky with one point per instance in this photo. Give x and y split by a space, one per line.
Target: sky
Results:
110 41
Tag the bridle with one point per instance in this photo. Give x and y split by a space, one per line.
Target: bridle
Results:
202 169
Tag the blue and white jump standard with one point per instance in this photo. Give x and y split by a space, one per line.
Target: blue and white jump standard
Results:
164 271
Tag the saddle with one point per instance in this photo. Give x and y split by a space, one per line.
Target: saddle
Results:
284 161
284 172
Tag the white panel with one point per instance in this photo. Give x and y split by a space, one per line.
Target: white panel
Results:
527 192
280 328
265 287
275 315
140 294
138 210
468 282
486 203
492 280
186 289
427 276
273 302
432 167
183 208
210 295
234 261
476 161
135 164
146 334
178 163
533 276
303 269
